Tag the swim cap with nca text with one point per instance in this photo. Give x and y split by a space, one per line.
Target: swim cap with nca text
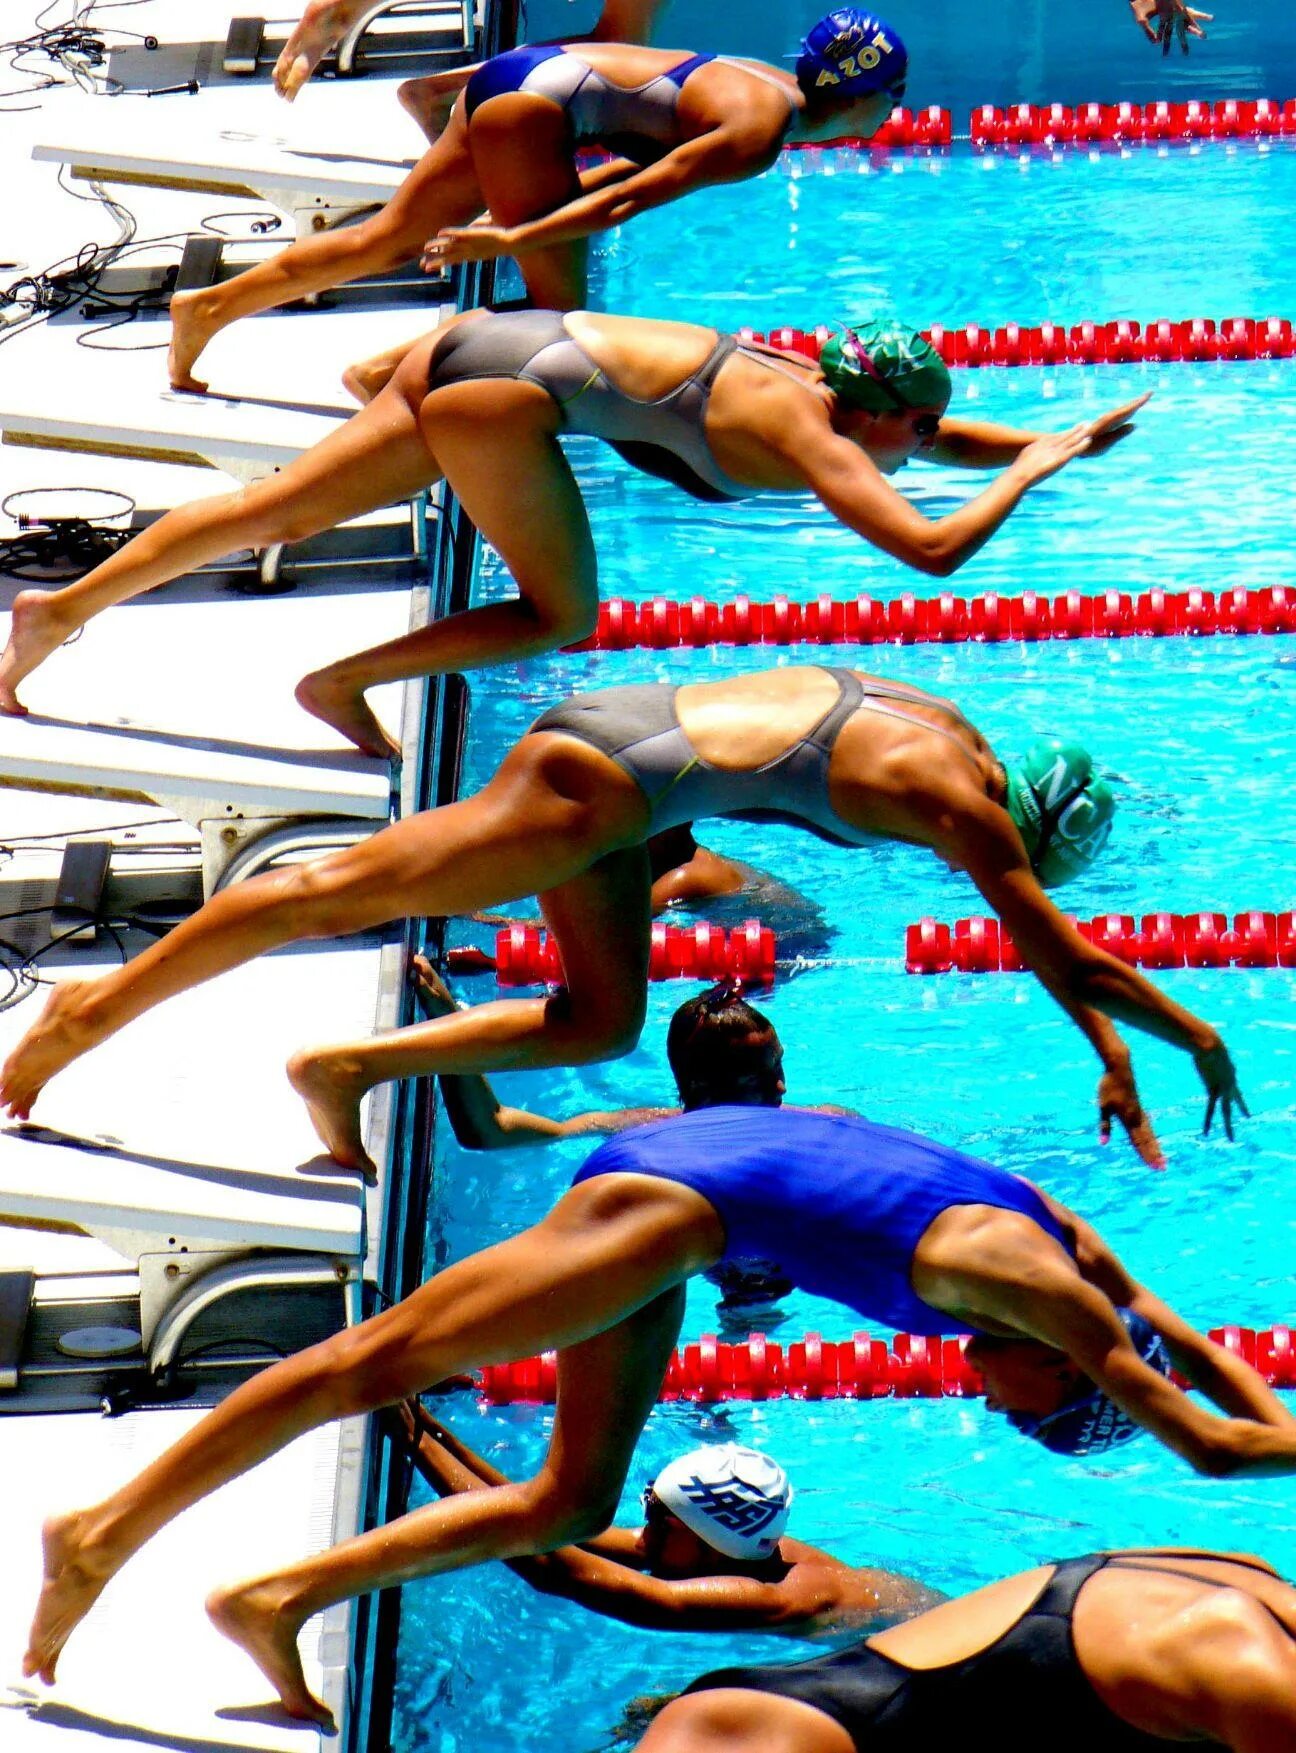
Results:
1062 811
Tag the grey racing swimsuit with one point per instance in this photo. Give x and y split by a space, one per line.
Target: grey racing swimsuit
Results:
639 728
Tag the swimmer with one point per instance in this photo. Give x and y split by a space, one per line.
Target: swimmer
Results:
1173 20
908 1233
712 1554
675 122
325 22
1140 1651
722 1052
482 401
855 759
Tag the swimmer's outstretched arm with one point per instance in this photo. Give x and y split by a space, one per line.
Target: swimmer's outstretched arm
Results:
985 444
1073 1307
978 835
728 153
854 490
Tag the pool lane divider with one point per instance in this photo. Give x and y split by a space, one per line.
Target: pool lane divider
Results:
1192 341
1158 940
992 128
525 955
911 1366
663 623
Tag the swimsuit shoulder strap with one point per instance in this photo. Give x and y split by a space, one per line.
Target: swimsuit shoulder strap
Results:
684 69
773 359
705 375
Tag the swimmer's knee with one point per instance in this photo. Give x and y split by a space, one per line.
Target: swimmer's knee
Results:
590 1035
556 1518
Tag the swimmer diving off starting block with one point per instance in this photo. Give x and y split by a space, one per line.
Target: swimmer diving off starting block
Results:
677 122
482 402
852 758
904 1231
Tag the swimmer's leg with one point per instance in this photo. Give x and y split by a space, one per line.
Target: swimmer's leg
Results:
494 441
521 185
605 1255
441 190
377 457
606 1388
600 920
518 836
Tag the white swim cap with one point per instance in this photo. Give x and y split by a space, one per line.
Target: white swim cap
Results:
735 1499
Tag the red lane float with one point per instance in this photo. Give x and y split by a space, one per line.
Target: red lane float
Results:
860 1368
525 955
932 127
663 623
1159 940
1121 342
1125 124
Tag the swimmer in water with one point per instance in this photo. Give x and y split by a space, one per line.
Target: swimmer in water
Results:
1167 21
722 1052
482 402
1141 1651
712 1554
906 1232
673 122
855 759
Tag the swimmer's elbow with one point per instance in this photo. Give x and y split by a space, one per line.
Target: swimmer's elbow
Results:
934 554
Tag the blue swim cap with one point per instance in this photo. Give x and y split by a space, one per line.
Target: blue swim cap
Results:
1090 1422
849 54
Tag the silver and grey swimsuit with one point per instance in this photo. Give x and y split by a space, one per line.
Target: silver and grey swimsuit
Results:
666 437
639 728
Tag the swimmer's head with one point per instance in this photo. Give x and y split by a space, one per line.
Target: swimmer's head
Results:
722 1050
887 373
1060 809
733 1499
1047 1398
852 70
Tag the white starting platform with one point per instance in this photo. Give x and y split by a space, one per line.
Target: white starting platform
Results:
313 184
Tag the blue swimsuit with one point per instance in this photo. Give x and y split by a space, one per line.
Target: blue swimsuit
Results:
840 1203
639 120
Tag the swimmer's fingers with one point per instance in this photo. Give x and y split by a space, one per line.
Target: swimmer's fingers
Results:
1118 1099
465 243
1110 428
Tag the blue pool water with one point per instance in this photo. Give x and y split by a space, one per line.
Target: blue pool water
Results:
1198 740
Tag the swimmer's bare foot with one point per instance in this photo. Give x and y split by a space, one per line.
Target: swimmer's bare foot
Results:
258 1618
193 323
76 1572
342 705
60 1034
430 100
331 1083
36 628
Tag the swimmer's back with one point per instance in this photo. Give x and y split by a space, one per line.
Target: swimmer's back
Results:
840 1202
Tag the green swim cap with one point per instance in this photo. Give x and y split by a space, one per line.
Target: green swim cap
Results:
881 365
1061 811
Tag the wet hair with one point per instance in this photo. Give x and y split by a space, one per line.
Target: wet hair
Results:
718 1049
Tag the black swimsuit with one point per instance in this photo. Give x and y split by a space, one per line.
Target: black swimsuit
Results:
1032 1669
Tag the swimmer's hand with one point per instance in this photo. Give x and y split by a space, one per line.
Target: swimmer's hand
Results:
1216 1071
1173 19
1118 1099
321 27
1108 429
477 242
1045 456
